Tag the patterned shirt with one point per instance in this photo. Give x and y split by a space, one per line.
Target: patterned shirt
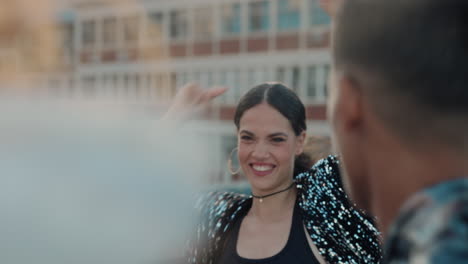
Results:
432 227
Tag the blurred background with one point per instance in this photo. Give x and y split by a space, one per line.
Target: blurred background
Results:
123 60
137 53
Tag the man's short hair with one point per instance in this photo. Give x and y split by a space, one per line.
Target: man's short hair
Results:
413 60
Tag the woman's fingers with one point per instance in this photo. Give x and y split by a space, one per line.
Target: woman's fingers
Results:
212 93
193 94
190 100
330 6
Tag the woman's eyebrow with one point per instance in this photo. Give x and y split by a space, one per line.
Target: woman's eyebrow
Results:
278 134
271 135
246 132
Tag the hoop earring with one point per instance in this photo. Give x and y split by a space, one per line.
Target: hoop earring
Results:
229 163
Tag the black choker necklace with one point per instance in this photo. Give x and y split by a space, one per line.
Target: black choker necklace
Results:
261 197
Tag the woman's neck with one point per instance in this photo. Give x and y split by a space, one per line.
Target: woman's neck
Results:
275 207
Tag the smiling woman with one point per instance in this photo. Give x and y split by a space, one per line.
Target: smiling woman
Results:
296 214
268 145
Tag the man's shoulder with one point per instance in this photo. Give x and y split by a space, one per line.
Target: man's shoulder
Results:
434 229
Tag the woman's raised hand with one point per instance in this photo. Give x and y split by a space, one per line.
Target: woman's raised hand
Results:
330 6
191 99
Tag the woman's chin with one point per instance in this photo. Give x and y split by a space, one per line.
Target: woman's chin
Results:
262 185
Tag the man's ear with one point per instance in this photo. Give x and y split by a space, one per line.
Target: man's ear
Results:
300 141
349 103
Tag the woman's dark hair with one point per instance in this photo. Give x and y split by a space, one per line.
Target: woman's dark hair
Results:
285 101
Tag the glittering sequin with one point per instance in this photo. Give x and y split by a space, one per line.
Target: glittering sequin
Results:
342 234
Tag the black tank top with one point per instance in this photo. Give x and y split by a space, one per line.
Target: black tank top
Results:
296 250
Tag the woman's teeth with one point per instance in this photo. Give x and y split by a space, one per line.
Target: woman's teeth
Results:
262 168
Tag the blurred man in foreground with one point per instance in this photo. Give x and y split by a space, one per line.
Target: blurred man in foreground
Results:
84 185
399 110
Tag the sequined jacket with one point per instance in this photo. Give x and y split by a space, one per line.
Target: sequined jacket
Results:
341 233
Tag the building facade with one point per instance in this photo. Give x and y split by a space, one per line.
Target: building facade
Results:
139 52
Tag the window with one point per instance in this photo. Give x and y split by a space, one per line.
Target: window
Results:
210 79
203 23
126 85
312 81
296 71
205 79
222 81
155 25
290 76
231 19
71 87
109 31
317 15
88 36
195 77
173 86
137 86
251 77
66 45
289 14
104 84
222 78
148 86
168 85
158 86
259 19
256 77
281 75
326 73
130 29
233 81
115 85
178 24
131 85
